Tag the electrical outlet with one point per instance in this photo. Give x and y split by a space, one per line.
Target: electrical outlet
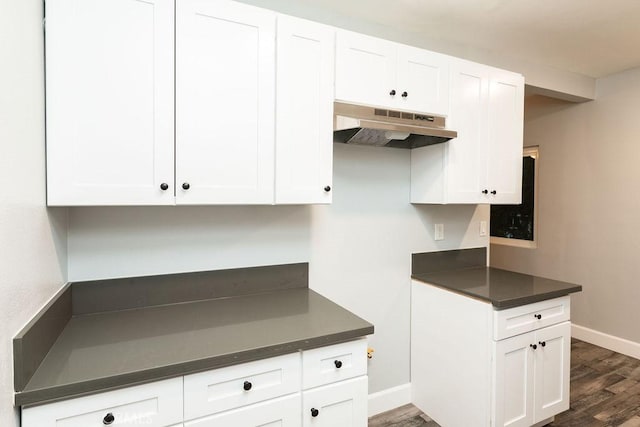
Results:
438 232
483 228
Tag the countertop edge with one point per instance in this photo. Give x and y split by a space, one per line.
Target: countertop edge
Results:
502 305
74 390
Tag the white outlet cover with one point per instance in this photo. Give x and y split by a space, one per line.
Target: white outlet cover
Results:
483 228
438 232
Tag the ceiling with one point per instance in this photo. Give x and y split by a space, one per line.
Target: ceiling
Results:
593 38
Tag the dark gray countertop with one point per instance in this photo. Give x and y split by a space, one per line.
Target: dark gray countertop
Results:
502 288
101 351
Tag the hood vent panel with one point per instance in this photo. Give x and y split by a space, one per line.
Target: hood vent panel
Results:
360 125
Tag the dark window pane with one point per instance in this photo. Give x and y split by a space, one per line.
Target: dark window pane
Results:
516 221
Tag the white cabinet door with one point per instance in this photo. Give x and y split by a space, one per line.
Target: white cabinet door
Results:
466 155
281 412
423 81
304 113
505 123
342 404
366 69
225 103
553 357
513 366
234 386
157 404
109 81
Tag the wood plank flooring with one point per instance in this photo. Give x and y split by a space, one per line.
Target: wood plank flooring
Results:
605 392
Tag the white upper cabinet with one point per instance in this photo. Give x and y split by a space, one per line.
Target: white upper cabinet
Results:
109 80
225 103
304 112
424 77
484 163
381 73
505 126
365 69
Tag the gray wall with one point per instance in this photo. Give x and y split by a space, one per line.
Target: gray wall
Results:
589 205
32 240
359 248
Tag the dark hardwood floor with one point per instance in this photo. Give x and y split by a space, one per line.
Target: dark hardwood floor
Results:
605 392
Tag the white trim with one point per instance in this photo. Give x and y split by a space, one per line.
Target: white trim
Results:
617 344
519 243
389 399
529 151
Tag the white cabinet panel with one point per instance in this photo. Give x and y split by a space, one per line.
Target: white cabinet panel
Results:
505 124
467 154
225 103
281 412
525 318
553 359
226 388
333 363
342 404
365 69
109 78
513 374
424 77
157 404
304 113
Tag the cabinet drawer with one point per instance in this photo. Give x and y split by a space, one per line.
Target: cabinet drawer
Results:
334 363
283 412
207 393
157 404
518 320
342 404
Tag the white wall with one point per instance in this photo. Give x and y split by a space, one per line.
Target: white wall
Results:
359 247
32 240
589 205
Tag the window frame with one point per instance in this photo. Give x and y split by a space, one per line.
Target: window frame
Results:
529 151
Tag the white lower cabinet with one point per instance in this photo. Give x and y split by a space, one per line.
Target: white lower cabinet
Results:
281 412
342 404
330 382
504 367
532 376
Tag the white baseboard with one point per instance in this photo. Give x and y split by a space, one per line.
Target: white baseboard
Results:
617 344
389 399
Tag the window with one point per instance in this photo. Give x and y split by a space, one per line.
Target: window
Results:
515 225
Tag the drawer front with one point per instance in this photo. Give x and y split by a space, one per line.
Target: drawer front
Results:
157 404
281 412
518 320
342 404
333 363
207 393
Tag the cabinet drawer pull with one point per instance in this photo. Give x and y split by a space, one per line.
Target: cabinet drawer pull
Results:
538 316
405 94
485 191
338 363
542 343
186 186
108 419
327 188
393 92
533 346
494 192
247 386
314 412
164 186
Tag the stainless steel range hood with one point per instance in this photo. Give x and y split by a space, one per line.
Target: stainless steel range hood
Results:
357 124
